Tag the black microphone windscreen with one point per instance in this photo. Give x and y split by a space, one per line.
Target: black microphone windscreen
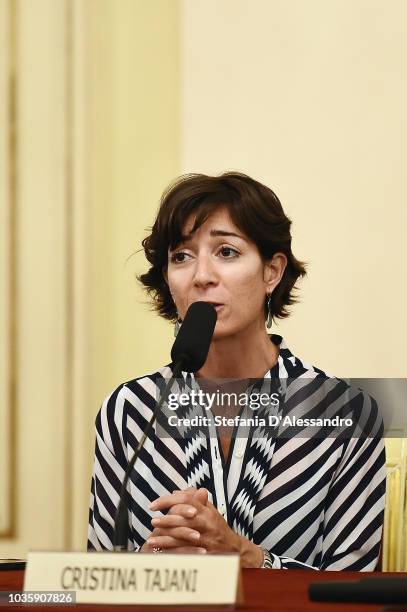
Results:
194 337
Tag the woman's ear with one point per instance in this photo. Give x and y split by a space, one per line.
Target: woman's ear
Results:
274 269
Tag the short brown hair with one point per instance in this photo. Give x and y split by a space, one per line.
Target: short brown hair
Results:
254 209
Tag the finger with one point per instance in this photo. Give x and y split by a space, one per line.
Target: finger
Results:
171 520
187 550
155 532
192 489
166 542
168 521
202 496
194 518
148 546
180 533
185 510
178 497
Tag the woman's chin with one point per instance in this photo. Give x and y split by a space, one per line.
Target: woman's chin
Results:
222 330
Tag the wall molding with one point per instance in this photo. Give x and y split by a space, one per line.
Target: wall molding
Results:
8 289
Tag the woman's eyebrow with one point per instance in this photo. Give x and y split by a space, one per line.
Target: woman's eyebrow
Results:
224 233
213 232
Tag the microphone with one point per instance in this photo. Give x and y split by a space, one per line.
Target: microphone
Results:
386 590
193 340
189 353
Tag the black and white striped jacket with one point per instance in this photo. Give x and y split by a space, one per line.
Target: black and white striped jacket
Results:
315 502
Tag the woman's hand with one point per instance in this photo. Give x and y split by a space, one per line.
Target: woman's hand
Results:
215 535
178 534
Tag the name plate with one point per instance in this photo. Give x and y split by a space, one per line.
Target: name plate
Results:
137 578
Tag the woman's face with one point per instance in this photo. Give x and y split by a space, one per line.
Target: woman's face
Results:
219 264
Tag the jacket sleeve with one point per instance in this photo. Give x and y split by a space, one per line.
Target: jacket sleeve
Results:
109 467
354 510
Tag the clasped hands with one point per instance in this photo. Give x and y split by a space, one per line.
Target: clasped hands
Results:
194 525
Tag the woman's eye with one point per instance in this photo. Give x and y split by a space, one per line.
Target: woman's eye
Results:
226 252
229 253
178 257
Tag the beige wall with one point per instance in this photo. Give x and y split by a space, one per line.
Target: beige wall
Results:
133 143
310 97
34 200
97 140
5 286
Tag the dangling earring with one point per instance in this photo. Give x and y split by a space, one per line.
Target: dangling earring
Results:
270 314
177 326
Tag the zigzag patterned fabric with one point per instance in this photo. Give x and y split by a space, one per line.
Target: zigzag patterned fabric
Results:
313 501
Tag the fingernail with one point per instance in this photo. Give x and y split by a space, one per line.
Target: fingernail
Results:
155 521
201 551
191 511
195 535
152 541
153 506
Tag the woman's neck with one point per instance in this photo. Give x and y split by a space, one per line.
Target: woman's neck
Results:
248 355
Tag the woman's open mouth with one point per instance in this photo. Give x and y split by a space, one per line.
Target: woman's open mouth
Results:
217 306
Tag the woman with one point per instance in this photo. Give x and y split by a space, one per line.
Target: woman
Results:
313 502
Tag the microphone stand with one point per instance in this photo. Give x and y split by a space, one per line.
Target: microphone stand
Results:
120 534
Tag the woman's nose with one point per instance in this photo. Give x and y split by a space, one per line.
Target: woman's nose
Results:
205 271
